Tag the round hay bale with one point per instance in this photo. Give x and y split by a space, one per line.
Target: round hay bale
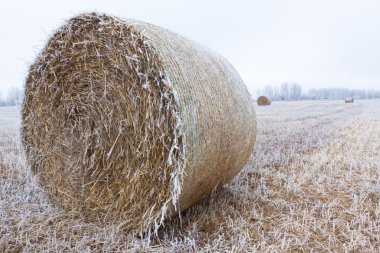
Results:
349 100
263 101
128 123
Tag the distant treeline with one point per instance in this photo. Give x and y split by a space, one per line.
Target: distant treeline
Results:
295 92
285 91
13 97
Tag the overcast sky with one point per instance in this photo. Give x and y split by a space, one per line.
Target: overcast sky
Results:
333 43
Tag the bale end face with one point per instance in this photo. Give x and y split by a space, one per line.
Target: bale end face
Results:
100 123
263 101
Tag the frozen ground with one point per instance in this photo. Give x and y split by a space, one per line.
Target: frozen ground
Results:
312 184
9 118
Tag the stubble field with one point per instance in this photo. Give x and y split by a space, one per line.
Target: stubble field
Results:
312 185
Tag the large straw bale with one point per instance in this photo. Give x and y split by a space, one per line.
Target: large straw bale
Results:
127 123
349 100
263 101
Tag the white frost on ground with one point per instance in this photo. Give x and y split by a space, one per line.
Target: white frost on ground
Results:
312 185
9 118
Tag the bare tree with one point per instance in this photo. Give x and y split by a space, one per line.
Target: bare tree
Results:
284 91
268 91
14 96
295 92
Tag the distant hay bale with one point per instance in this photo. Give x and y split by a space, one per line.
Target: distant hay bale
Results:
263 100
127 123
349 100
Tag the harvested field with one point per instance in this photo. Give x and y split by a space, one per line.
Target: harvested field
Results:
313 184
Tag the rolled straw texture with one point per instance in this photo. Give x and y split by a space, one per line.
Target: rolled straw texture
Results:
263 100
128 123
349 100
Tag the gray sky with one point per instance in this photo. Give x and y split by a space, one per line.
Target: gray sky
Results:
322 43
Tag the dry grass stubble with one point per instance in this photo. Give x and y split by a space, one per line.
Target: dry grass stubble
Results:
312 185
